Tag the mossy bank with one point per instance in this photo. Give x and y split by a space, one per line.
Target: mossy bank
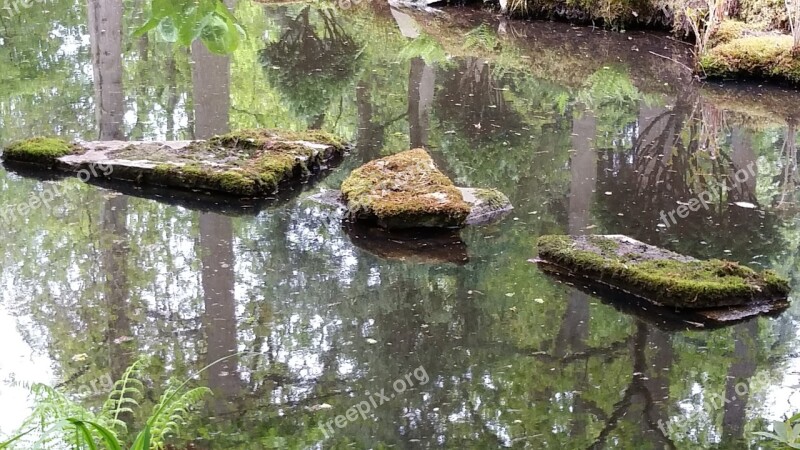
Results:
247 163
766 56
659 275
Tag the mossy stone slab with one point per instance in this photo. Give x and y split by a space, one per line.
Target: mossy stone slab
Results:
247 163
660 276
407 190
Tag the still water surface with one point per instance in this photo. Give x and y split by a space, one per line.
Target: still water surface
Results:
586 131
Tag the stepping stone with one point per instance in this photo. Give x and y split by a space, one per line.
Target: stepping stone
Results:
660 276
247 163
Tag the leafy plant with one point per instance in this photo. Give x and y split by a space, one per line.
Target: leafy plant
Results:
58 422
786 432
184 21
481 37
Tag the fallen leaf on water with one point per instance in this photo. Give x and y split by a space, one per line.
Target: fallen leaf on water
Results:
371 341
509 294
319 407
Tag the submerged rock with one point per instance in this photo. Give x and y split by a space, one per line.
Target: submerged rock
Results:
406 190
660 276
248 163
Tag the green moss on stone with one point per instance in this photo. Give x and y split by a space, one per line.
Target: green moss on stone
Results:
39 150
243 163
402 191
671 280
259 138
753 56
605 244
492 198
256 162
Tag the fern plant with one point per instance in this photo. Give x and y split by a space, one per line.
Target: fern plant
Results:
58 422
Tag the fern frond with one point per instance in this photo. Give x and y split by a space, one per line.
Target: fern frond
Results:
174 410
123 393
481 37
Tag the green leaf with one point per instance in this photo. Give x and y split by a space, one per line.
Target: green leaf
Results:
7 443
142 441
220 35
167 30
84 433
144 29
767 434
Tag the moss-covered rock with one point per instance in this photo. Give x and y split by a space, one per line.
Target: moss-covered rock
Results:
486 205
659 275
247 163
404 190
767 56
39 150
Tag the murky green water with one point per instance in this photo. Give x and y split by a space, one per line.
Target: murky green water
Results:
586 131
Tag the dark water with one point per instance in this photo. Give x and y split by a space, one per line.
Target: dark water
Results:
586 131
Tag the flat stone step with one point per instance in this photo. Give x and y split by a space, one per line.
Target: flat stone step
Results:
660 276
247 163
663 317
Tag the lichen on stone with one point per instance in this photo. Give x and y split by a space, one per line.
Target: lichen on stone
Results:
659 275
404 190
38 150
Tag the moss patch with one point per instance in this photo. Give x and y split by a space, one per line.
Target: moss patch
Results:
245 166
753 56
39 150
659 275
404 190
258 138
727 31
492 198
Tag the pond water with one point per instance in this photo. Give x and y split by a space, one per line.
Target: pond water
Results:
586 131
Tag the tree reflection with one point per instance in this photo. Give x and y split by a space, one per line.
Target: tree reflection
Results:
312 62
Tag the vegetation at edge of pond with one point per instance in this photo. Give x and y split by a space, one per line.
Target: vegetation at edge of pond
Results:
786 432
56 419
